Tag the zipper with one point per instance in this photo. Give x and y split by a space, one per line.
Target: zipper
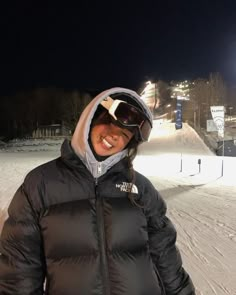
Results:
102 240
99 169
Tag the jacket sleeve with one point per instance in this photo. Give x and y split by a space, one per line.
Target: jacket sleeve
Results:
21 257
165 254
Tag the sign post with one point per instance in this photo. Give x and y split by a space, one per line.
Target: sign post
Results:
218 113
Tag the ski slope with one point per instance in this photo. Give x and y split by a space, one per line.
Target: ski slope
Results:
201 198
201 203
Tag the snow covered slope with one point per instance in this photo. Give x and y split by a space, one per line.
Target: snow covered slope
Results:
201 199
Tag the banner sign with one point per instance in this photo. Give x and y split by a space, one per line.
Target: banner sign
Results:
178 119
218 115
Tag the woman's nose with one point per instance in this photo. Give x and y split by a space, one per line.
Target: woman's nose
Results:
115 131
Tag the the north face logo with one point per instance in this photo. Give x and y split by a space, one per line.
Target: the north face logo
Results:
127 187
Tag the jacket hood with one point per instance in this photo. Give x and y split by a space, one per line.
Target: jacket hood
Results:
80 137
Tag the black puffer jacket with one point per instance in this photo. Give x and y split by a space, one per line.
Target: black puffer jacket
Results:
87 238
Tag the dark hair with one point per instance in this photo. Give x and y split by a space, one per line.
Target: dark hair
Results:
132 152
102 117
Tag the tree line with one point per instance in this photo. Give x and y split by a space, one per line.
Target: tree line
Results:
22 113
203 94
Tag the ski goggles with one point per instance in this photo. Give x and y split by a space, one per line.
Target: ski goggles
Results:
128 116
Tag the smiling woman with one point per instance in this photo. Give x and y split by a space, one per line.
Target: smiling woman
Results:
87 222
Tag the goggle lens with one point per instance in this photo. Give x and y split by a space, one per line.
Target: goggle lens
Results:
128 115
145 130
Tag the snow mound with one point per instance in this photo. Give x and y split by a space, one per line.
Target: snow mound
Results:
32 145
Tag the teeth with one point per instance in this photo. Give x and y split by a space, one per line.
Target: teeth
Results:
107 144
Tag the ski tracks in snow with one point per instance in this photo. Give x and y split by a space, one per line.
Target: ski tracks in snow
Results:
205 219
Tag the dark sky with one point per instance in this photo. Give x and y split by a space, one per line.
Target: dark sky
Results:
101 44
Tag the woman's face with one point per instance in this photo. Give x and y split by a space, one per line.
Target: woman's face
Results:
109 139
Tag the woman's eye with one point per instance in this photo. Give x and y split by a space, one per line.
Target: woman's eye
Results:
125 135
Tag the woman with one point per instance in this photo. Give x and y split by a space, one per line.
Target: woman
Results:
87 222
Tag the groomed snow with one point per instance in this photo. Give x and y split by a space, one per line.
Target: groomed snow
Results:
201 198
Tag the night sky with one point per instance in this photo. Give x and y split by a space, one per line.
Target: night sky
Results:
101 44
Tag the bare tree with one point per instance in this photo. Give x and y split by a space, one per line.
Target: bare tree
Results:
206 93
164 92
74 103
162 96
217 89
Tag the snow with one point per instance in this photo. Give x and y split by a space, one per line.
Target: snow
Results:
201 198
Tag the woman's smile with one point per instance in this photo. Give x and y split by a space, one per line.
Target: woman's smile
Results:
106 143
108 139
